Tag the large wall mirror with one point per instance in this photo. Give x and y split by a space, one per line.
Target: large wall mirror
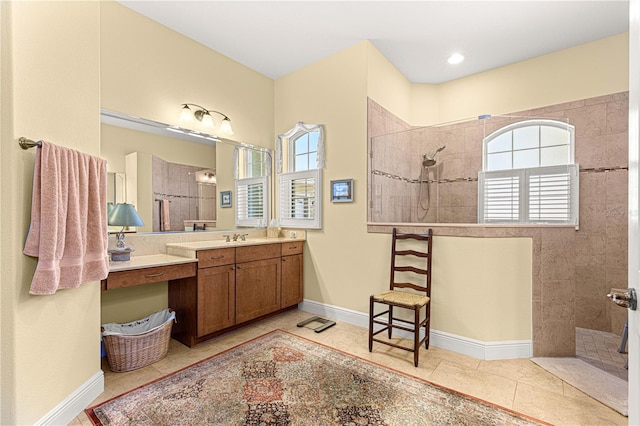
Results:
169 173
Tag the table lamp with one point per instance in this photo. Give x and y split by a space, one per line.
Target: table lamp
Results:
123 214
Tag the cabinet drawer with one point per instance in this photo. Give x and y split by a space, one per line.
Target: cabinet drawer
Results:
250 253
292 247
216 257
149 275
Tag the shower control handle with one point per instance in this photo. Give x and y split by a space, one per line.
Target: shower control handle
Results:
627 299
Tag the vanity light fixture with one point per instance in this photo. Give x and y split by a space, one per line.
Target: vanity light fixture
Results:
203 115
455 58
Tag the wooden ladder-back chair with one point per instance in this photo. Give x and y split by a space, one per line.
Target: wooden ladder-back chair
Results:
407 295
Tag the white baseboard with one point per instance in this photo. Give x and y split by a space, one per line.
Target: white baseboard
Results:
73 405
462 345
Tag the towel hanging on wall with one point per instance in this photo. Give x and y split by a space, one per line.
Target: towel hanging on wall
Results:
68 231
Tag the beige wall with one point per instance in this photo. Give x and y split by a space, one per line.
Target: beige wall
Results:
344 264
341 263
50 343
117 142
50 79
148 70
585 71
386 85
482 287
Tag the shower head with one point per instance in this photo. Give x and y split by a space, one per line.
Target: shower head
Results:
430 160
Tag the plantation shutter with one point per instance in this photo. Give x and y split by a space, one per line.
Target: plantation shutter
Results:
252 206
499 196
300 199
535 195
553 194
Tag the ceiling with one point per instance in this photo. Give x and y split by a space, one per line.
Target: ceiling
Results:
275 38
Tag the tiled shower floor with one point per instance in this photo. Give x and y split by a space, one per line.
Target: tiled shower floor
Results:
600 349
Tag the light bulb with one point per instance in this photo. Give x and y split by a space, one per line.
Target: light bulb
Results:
455 58
225 126
185 113
207 120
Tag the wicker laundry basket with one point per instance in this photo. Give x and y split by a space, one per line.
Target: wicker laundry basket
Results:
129 349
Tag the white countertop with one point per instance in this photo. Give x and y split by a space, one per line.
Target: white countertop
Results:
214 244
149 261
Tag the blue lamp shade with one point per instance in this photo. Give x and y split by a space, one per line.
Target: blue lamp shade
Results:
124 214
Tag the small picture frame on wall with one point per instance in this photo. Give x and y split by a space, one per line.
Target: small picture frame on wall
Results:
225 199
342 191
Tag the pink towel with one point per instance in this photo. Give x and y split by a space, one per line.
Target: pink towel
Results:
68 232
165 218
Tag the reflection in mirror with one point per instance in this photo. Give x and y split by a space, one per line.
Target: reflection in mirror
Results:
115 194
115 188
185 196
169 173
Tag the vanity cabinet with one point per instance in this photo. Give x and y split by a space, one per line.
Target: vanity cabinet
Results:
234 286
135 277
216 294
291 292
257 289
215 290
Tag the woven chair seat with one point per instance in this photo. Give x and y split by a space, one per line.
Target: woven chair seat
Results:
401 298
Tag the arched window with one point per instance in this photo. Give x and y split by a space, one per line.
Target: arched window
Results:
299 161
529 175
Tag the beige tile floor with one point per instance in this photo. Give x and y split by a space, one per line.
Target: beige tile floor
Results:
600 349
517 384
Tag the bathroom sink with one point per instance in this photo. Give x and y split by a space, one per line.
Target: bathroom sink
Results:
212 244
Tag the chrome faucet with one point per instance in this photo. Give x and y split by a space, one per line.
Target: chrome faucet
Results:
227 240
235 237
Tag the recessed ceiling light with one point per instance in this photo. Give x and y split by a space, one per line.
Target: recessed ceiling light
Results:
455 59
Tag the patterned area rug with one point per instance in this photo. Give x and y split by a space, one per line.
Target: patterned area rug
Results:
282 379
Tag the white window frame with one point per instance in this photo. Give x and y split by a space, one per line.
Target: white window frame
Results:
515 204
529 123
243 179
248 163
285 181
293 154
242 202
505 196
287 175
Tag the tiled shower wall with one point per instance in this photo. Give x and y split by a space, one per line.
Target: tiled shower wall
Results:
396 151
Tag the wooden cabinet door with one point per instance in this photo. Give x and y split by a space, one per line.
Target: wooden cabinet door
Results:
216 297
257 289
291 280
